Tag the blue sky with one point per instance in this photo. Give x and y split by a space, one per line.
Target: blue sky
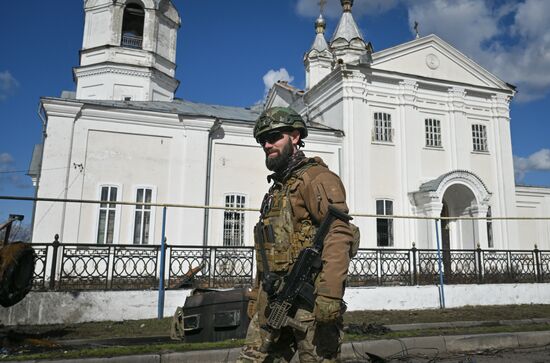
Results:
229 52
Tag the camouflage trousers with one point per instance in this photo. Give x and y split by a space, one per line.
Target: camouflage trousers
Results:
320 343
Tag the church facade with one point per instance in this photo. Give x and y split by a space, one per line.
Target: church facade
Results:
418 130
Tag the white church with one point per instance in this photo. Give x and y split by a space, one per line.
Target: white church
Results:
418 129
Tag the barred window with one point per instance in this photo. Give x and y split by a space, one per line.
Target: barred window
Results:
107 215
233 221
479 137
382 130
384 226
433 132
142 216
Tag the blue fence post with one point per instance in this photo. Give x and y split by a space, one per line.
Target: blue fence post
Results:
441 289
162 265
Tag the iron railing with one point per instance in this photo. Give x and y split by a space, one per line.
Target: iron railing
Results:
68 267
132 41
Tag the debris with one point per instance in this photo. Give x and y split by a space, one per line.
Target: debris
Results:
365 329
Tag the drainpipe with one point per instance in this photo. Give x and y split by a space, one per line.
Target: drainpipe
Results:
215 132
44 119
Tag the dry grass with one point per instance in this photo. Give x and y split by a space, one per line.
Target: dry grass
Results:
156 327
468 313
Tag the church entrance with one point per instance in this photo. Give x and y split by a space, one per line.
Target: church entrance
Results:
453 195
458 201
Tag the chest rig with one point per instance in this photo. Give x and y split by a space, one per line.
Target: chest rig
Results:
279 232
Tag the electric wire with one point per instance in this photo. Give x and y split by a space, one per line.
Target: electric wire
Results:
27 170
238 209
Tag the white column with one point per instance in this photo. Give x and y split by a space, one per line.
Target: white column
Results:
457 119
506 231
354 89
480 210
431 207
407 96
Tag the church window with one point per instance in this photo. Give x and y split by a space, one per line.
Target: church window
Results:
384 226
479 137
233 220
142 216
382 127
107 215
433 132
132 26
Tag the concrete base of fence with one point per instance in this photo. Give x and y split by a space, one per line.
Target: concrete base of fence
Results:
77 307
427 297
68 308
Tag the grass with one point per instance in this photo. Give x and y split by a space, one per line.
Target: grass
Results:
122 350
35 342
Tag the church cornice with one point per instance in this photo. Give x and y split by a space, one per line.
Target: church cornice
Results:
81 73
60 107
111 47
396 77
117 68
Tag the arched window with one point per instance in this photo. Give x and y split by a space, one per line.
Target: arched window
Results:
132 26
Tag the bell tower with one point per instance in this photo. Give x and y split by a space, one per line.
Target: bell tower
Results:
347 42
318 61
128 51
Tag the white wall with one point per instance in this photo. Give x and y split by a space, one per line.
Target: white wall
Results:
534 202
67 308
167 153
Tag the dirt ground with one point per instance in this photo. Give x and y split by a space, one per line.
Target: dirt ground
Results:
468 313
143 336
156 327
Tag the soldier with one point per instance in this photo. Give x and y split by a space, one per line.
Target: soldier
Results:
295 205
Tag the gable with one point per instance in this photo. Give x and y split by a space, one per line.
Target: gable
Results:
431 57
282 94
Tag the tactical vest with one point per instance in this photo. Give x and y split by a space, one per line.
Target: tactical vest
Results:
276 229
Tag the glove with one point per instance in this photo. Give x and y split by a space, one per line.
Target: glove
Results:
327 309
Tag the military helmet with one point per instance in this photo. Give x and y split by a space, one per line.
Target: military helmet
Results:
276 118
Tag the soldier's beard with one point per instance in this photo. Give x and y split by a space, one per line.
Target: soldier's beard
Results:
280 162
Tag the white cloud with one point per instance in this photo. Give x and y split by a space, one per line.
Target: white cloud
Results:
509 39
539 161
333 8
465 24
8 176
272 76
5 159
8 84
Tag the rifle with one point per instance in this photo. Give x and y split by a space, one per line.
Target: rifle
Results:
298 285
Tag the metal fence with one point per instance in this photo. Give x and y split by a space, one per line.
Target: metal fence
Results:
70 267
